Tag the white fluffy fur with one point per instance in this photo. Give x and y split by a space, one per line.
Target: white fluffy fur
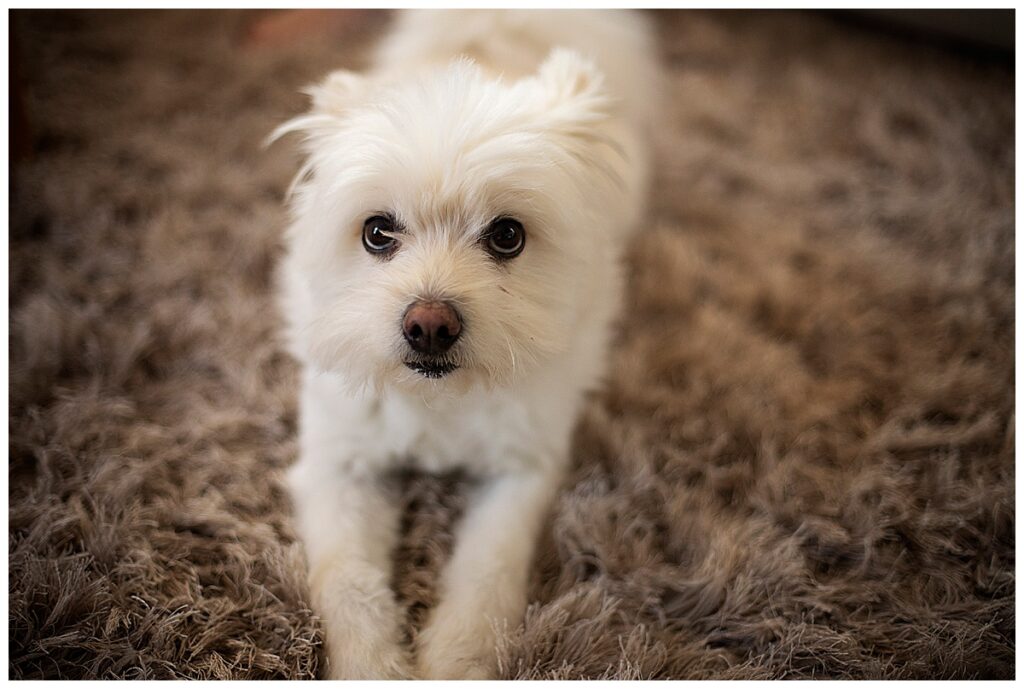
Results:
466 116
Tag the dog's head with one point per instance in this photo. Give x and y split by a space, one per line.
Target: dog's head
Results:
448 225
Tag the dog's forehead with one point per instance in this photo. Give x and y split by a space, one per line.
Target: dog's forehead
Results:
437 209
454 183
457 154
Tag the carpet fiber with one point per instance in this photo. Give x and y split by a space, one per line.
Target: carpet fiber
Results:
801 467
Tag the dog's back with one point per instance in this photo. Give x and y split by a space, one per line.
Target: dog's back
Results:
512 43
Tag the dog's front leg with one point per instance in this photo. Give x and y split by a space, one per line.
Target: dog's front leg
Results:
483 588
349 528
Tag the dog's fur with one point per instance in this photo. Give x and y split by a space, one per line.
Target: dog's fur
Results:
465 118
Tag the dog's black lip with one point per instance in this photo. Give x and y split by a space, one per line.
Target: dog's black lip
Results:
431 369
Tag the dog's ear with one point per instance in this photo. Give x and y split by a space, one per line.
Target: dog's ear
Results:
574 86
566 75
573 97
330 100
337 92
574 102
575 106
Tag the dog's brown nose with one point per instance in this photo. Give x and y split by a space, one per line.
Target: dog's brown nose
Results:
431 327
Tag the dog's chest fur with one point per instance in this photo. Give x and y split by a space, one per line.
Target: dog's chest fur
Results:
489 433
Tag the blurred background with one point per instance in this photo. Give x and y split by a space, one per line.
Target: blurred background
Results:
988 31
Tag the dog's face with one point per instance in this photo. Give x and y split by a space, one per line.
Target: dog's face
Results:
448 225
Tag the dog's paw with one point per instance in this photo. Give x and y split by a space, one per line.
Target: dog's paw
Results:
455 667
456 651
367 659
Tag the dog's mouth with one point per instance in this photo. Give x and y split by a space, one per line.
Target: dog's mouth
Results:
431 369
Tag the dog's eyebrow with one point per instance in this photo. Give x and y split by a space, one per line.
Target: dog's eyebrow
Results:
396 221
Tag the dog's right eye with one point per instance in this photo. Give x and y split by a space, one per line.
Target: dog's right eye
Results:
377 233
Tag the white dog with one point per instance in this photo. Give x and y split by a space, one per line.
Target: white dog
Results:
451 281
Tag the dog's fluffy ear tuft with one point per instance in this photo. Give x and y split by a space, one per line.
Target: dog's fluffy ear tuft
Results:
573 98
331 99
568 75
337 93
576 105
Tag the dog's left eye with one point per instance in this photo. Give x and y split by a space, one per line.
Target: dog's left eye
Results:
505 238
377 237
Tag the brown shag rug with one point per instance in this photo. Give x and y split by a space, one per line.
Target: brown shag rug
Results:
802 467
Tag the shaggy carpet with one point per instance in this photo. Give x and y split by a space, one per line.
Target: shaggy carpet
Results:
802 465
